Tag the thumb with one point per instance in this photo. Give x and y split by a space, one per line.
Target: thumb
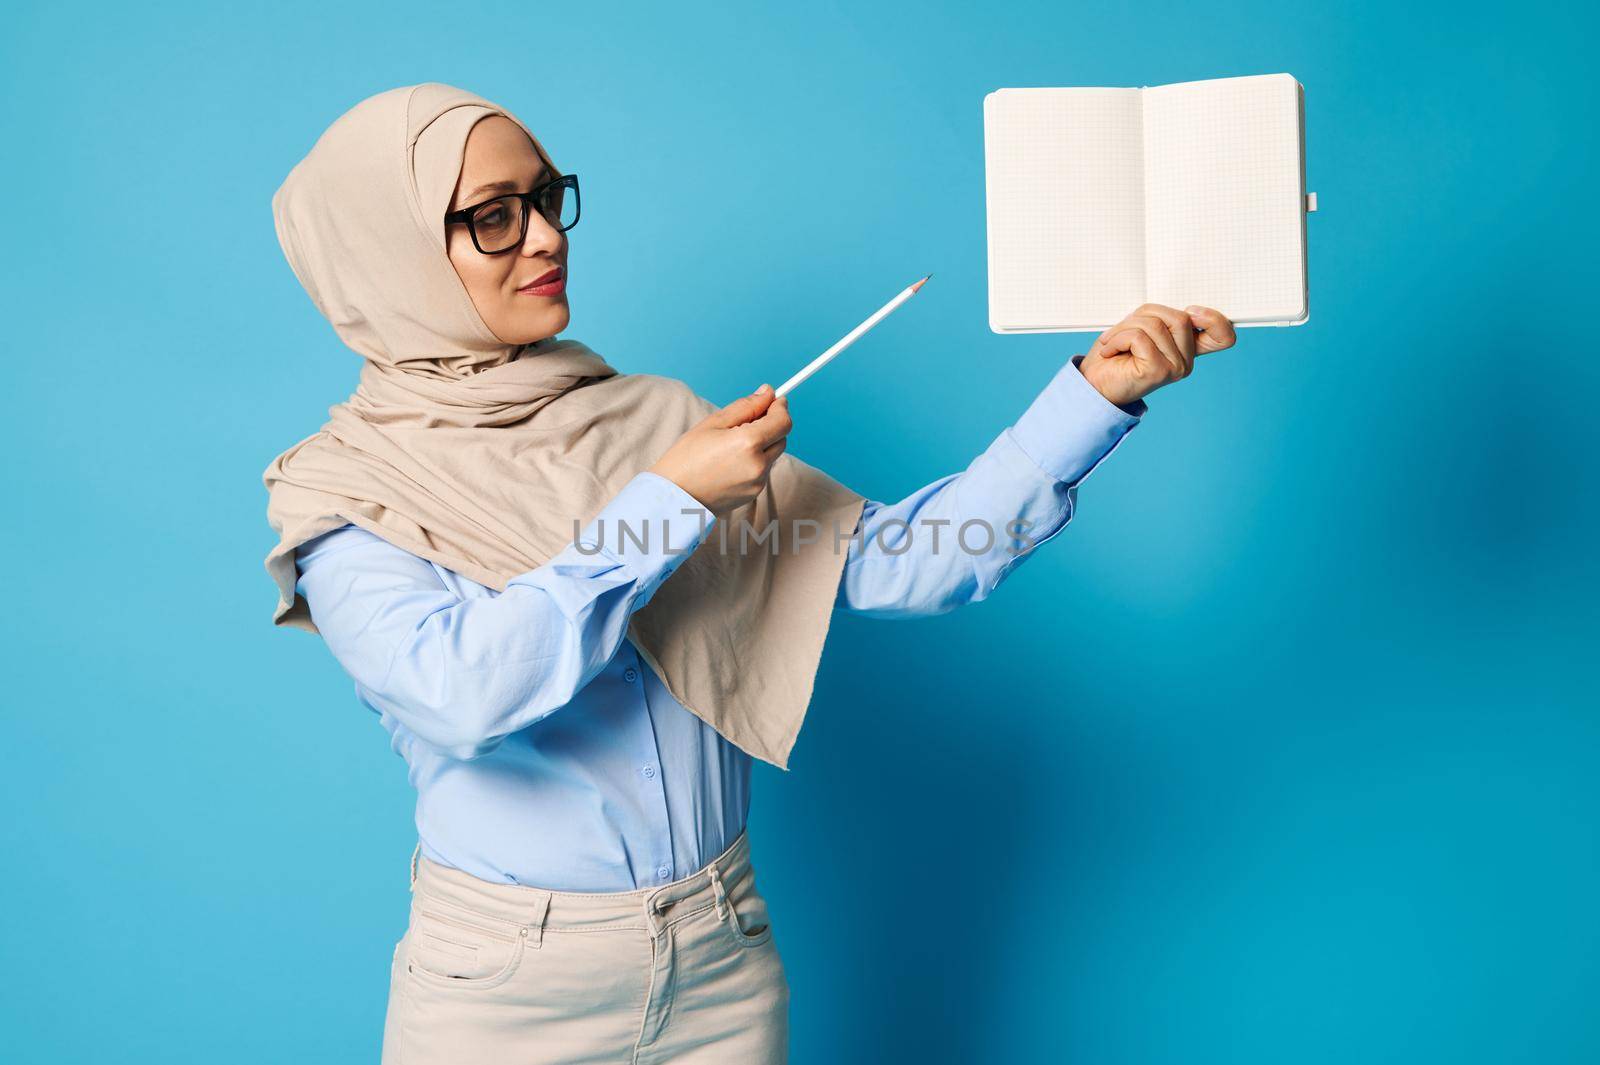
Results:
742 409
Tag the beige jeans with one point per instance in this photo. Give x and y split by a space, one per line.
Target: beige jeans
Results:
495 974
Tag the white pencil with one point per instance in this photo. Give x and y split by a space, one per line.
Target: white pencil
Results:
849 338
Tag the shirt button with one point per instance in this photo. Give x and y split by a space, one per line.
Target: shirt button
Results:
663 871
630 674
649 770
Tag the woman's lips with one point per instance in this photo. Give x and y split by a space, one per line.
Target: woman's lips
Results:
552 283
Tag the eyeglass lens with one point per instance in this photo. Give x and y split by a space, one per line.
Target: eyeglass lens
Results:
500 224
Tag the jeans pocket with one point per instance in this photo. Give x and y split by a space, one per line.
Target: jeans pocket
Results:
748 922
451 946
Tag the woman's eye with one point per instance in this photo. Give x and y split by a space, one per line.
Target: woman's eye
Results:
495 217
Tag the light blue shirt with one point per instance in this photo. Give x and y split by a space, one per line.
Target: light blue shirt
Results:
545 751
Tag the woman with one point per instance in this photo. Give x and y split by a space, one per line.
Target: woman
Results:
483 534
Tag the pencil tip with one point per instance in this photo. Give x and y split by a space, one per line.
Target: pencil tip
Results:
919 284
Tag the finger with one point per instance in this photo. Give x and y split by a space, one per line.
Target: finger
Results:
1143 319
740 412
773 424
1108 332
743 409
1157 331
772 451
1149 360
1118 340
1152 362
1105 335
1177 323
1219 333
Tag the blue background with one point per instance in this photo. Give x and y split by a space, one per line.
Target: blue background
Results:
1285 751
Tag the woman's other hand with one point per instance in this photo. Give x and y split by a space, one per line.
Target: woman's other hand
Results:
725 459
1153 346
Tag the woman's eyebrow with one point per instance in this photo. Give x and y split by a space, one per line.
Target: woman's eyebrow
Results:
503 185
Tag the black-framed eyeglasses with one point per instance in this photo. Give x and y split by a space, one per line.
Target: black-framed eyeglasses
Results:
500 224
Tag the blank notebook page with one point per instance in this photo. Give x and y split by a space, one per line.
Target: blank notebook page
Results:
1224 197
1064 173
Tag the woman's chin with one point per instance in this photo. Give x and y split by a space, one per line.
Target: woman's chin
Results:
529 328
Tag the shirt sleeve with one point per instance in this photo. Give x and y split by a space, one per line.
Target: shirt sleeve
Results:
463 673
953 541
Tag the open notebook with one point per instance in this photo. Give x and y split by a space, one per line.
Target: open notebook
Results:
1102 199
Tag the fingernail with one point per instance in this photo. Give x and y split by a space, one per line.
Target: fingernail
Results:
1193 310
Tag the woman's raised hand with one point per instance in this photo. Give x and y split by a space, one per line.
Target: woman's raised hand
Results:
724 460
1153 346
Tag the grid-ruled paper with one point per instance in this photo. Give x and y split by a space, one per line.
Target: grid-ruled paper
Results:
1099 200
1223 197
1064 171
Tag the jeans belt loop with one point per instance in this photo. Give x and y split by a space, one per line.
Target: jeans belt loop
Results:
533 931
652 913
719 891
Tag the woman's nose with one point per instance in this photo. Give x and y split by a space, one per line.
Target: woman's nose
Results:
541 237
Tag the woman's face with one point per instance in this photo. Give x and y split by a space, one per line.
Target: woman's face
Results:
498 151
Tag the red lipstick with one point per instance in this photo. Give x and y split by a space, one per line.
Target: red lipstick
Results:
550 283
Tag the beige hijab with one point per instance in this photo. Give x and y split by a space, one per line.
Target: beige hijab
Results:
479 455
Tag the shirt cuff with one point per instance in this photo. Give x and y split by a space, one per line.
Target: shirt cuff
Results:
1070 427
649 529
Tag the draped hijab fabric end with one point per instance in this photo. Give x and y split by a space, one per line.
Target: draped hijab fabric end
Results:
481 455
